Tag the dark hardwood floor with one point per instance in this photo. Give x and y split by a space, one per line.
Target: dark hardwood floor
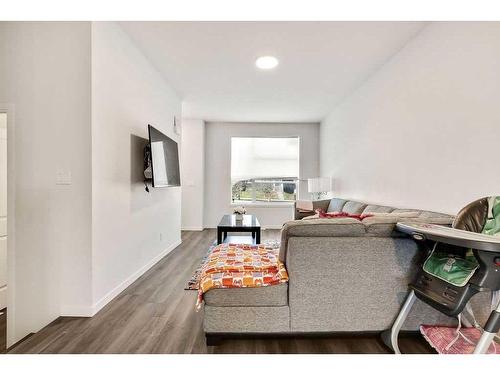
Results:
156 315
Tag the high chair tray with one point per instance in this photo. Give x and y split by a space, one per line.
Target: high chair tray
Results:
457 237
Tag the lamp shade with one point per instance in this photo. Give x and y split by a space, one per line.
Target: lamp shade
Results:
319 184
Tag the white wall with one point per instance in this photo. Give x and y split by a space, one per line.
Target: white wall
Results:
218 168
80 96
45 75
131 228
423 131
193 173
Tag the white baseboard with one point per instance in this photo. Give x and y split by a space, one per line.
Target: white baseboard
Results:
89 311
198 229
3 297
78 311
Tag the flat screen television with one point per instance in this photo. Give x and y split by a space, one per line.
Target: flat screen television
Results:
164 159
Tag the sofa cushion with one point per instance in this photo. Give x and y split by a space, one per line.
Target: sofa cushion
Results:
438 220
382 225
385 224
397 215
373 208
434 218
353 207
335 227
274 295
430 214
332 227
405 210
336 205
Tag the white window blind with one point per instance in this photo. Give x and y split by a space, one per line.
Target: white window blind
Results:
264 158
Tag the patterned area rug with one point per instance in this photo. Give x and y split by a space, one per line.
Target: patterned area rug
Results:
441 337
195 279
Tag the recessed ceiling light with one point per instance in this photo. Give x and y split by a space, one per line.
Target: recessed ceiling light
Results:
266 62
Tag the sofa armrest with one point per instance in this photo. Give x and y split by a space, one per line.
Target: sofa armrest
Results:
301 213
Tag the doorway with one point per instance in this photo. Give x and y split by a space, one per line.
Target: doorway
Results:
3 232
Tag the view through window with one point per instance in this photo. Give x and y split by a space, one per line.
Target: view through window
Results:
264 169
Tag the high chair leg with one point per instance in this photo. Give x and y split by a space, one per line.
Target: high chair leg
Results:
490 330
398 323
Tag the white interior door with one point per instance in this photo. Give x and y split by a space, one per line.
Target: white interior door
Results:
3 210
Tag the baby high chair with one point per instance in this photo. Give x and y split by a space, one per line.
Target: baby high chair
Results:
464 260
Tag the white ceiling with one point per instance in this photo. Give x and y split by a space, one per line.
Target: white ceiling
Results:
211 64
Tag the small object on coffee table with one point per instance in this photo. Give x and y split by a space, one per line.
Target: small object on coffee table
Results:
228 223
239 211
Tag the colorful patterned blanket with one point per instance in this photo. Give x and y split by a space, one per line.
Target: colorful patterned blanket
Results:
240 266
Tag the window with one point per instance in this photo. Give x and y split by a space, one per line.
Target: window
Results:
264 169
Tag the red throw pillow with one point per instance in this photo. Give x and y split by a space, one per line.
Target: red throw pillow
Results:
330 215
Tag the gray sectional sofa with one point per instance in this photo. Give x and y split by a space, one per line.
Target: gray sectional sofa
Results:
345 275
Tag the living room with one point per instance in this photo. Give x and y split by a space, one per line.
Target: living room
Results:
249 186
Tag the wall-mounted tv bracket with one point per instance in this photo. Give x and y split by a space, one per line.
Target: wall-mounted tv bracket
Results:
148 171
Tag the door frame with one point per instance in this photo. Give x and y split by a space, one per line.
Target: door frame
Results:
11 222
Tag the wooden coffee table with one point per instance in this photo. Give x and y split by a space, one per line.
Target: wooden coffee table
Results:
229 223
